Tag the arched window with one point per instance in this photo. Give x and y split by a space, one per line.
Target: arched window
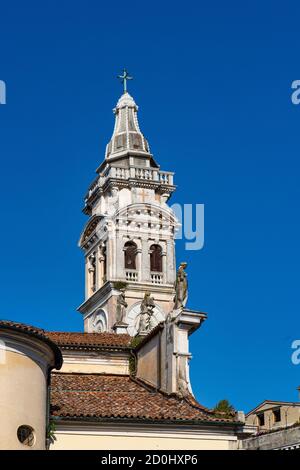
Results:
130 250
156 258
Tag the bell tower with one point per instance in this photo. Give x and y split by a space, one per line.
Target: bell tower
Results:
128 241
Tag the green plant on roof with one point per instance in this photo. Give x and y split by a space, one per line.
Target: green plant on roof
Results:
224 408
51 432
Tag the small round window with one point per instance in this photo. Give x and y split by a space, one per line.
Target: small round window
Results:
26 435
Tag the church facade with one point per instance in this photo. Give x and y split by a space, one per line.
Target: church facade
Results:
122 383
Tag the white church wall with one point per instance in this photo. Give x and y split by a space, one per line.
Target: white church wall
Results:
131 437
148 362
23 391
95 363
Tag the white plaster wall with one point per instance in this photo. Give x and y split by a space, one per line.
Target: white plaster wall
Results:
23 398
130 439
96 364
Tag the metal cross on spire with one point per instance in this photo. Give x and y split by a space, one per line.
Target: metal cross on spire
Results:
124 79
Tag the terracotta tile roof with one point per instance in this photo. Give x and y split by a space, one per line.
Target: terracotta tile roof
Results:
100 396
89 339
21 327
38 333
62 338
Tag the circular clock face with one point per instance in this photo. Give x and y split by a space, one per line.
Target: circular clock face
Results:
133 318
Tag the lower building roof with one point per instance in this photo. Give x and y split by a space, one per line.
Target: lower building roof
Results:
89 340
106 396
272 404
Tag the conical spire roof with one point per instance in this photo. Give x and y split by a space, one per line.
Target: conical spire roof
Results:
127 136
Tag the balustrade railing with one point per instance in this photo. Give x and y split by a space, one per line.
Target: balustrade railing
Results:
131 275
121 173
93 188
146 174
156 278
166 177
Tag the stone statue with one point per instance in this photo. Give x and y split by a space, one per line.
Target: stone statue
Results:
146 321
169 328
181 287
121 307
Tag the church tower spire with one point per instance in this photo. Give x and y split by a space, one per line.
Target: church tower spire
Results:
128 241
127 136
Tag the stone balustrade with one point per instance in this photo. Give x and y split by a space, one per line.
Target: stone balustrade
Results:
93 188
157 278
145 174
131 275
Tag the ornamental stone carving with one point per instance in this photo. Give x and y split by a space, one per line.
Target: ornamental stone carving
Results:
146 319
121 307
181 287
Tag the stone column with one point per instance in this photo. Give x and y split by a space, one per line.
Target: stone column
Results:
87 278
119 246
110 258
145 262
164 266
100 276
139 263
98 268
92 274
170 262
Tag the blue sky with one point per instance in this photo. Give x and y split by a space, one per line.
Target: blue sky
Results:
213 82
